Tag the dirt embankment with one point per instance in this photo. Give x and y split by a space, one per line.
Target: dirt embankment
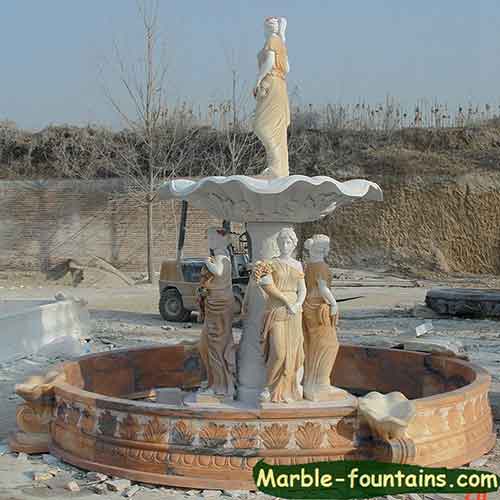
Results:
441 211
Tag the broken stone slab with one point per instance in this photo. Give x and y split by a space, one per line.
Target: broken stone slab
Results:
49 459
424 328
99 489
375 341
62 347
96 476
211 493
42 476
479 462
131 491
28 325
433 345
60 481
235 493
106 266
72 486
118 485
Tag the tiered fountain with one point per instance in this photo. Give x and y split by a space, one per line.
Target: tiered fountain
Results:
142 413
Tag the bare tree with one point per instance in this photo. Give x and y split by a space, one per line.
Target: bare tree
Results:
237 149
155 142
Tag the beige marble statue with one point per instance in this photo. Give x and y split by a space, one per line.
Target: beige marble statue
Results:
217 348
320 317
282 279
272 114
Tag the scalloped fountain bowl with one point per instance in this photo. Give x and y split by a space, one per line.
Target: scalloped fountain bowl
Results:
99 413
296 198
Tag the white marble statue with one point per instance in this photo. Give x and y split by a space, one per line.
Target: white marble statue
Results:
272 113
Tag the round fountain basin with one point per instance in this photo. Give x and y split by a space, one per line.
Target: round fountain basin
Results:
106 419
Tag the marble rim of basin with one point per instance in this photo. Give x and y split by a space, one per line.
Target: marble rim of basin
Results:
95 417
296 198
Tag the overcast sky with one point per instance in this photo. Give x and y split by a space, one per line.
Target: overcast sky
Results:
340 52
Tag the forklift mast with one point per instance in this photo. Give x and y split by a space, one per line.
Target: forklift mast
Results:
182 230
226 224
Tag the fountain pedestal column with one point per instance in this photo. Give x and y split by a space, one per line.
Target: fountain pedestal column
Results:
251 367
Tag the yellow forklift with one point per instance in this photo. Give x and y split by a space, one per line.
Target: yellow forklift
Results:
180 278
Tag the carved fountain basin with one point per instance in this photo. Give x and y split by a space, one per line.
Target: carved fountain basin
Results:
102 416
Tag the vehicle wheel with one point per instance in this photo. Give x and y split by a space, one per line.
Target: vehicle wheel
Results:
171 306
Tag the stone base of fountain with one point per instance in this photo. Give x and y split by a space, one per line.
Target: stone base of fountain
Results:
100 413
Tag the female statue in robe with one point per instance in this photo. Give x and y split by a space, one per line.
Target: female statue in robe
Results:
217 350
320 317
282 279
272 113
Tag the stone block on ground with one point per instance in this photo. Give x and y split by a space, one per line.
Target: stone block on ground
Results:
118 485
131 491
29 326
96 476
236 493
211 493
50 459
99 489
434 345
72 486
42 476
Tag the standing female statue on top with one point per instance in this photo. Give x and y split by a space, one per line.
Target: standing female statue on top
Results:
320 316
272 114
282 279
217 350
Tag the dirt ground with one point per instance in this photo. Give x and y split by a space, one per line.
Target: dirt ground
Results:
389 307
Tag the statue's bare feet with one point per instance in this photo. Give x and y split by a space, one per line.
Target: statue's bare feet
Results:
206 391
266 173
265 396
271 173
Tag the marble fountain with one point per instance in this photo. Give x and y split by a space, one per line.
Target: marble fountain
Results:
201 416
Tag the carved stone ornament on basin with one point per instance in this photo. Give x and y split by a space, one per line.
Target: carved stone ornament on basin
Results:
99 413
296 198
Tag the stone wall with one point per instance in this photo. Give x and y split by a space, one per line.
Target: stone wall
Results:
44 222
445 222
